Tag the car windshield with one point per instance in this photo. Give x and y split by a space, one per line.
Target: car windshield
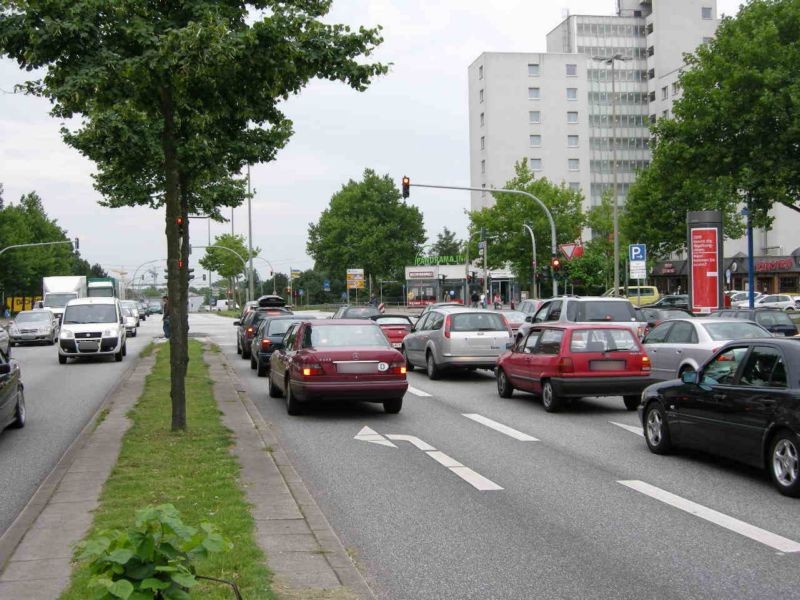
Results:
360 311
602 340
392 321
600 310
477 321
338 336
32 317
278 326
734 331
774 317
90 313
58 300
514 316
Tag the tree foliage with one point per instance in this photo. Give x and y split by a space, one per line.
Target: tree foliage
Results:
446 244
226 262
735 131
366 226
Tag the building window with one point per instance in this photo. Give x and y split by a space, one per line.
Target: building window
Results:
534 116
650 51
483 191
652 96
651 74
480 72
705 11
572 70
533 70
652 119
675 88
483 166
649 28
483 142
572 116
664 93
483 120
535 164
665 114
535 140
575 185
480 95
534 93
574 164
572 141
572 93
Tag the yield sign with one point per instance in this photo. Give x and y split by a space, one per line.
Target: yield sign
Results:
567 249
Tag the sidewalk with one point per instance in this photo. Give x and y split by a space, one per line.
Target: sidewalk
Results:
303 552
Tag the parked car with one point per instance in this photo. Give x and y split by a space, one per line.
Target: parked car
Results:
142 306
781 301
681 345
529 306
515 318
355 312
743 403
92 327
34 327
337 359
133 306
680 301
450 337
637 294
587 309
154 307
430 307
12 394
5 342
654 316
271 330
776 321
395 327
563 361
246 327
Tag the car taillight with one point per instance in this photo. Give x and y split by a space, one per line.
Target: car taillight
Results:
250 331
447 326
312 369
397 368
266 345
508 327
565 365
645 363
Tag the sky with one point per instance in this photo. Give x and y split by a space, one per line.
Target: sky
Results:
412 121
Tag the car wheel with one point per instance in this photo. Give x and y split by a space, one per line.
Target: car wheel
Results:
238 345
393 406
62 360
11 344
19 411
784 463
292 405
133 333
504 387
433 371
261 369
274 390
118 355
632 402
253 363
125 349
54 340
656 430
409 366
550 401
245 353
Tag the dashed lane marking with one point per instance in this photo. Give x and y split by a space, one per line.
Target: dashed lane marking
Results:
632 428
419 393
504 429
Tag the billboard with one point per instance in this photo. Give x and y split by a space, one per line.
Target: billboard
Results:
705 268
355 279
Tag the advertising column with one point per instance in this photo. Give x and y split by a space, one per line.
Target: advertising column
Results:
705 261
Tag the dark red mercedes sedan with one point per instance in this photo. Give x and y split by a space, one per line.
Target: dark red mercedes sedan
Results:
332 359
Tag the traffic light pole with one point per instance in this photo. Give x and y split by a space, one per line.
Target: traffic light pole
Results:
553 243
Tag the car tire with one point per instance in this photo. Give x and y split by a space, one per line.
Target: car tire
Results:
19 411
261 369
238 345
393 406
433 370
274 390
784 463
632 402
504 387
245 353
62 360
656 430
409 366
550 400
253 363
125 349
293 407
11 344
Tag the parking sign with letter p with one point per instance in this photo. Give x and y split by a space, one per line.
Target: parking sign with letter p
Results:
637 252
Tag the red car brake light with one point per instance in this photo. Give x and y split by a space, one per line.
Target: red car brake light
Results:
312 369
447 326
250 330
266 345
645 363
397 368
565 365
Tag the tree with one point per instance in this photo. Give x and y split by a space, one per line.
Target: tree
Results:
504 221
226 259
366 226
446 244
176 98
735 131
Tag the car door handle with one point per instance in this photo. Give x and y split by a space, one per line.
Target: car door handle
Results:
678 351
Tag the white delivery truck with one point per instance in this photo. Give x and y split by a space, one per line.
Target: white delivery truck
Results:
57 291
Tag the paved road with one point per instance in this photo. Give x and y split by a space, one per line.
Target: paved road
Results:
562 526
60 400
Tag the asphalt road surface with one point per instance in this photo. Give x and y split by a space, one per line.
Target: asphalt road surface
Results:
467 495
60 400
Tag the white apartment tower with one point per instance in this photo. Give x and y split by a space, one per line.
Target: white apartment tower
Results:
555 109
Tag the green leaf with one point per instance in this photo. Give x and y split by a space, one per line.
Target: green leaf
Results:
121 556
121 589
152 583
184 579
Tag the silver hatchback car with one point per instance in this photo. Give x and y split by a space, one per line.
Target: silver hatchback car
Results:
452 337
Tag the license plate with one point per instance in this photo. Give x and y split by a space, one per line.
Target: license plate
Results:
606 365
396 345
87 346
357 367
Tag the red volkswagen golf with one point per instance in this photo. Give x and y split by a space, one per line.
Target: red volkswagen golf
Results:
565 361
348 359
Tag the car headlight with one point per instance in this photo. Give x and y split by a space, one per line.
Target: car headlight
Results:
110 333
66 334
13 330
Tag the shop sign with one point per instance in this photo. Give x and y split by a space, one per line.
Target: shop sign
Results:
421 275
780 264
458 259
668 269
705 269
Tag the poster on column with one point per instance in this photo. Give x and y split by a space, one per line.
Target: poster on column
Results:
705 269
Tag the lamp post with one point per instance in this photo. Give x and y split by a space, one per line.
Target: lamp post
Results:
533 259
611 61
271 270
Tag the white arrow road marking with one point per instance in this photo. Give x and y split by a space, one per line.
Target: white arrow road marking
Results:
370 435
517 435
419 393
412 440
763 536
632 428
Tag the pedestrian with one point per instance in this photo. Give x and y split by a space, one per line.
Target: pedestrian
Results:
483 300
474 299
497 301
373 301
165 316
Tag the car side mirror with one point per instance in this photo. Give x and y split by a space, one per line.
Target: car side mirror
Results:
511 346
237 323
278 346
529 319
5 369
689 377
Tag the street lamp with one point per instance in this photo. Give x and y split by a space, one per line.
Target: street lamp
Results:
611 61
533 259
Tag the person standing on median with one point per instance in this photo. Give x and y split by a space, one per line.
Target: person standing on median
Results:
165 316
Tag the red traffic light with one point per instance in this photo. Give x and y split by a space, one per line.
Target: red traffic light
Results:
406 186
180 263
555 262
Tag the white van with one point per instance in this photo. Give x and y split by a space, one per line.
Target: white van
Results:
92 327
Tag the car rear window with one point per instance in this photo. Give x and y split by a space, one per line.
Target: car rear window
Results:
479 321
278 326
602 340
770 318
392 321
360 312
734 331
337 336
600 310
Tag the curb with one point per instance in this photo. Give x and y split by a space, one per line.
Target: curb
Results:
37 503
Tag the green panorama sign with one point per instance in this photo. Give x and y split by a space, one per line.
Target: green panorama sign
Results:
458 259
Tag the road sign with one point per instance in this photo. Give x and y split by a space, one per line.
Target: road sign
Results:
481 245
637 269
637 252
326 286
567 249
355 279
296 273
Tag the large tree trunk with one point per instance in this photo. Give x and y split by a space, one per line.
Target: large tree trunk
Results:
176 247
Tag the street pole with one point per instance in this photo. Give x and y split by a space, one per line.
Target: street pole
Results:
751 295
250 287
533 260
614 176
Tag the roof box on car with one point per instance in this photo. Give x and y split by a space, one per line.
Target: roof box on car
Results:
270 301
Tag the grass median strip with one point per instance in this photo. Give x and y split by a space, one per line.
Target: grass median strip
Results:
193 470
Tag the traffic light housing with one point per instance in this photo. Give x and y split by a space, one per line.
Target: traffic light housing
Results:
77 244
555 263
179 222
191 274
406 186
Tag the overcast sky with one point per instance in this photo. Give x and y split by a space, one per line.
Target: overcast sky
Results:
412 121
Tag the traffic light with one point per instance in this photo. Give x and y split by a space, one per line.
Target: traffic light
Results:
191 274
545 271
204 276
555 263
179 223
77 244
180 263
406 186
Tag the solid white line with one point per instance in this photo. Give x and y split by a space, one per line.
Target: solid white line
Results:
632 428
763 536
517 435
476 480
422 445
443 459
419 393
